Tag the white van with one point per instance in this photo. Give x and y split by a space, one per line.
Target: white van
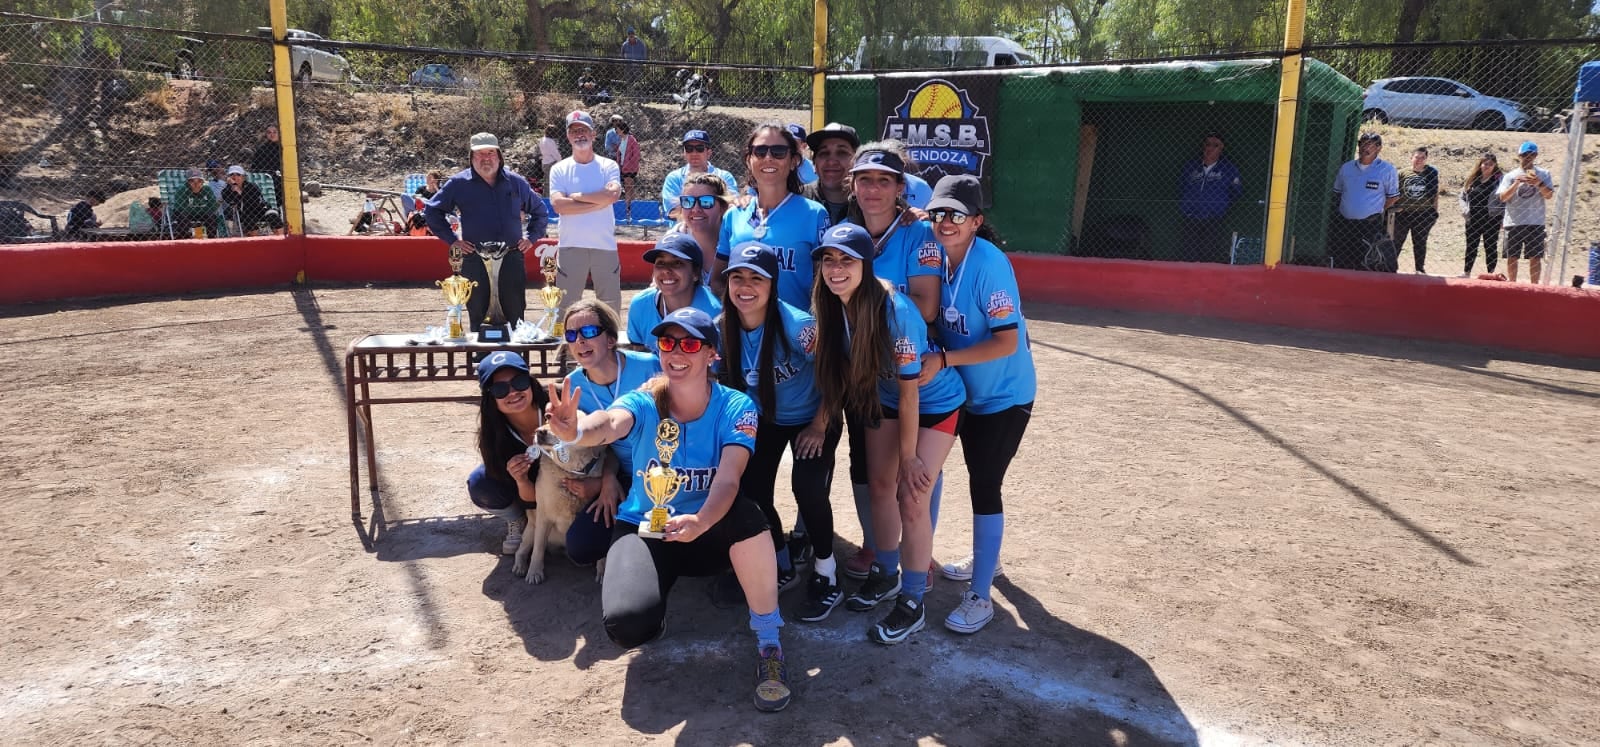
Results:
936 52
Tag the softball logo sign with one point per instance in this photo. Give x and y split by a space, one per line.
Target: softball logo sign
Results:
946 132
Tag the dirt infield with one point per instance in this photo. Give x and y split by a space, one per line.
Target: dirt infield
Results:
1218 533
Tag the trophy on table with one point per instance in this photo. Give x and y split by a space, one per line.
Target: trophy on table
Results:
457 290
661 482
549 325
494 325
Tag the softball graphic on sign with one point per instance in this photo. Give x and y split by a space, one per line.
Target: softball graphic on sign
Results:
943 129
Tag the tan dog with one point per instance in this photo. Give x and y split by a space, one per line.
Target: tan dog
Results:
558 507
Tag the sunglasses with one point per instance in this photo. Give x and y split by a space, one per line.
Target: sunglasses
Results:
501 389
779 152
695 148
704 202
589 332
955 217
690 345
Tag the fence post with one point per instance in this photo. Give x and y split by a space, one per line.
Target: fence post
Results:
819 61
1283 137
282 74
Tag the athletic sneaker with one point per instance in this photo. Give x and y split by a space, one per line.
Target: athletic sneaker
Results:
906 618
822 596
788 579
857 565
961 570
800 552
772 681
514 529
974 613
879 587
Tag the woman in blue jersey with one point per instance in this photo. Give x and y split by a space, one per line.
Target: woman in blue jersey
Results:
677 267
698 435
778 216
986 341
509 412
605 372
870 341
768 347
701 206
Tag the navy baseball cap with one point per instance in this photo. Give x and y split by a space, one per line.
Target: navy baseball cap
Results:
834 129
697 136
497 360
756 256
694 321
213 164
879 160
797 131
848 238
680 245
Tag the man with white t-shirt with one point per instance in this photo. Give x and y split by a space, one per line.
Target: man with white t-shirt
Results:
582 189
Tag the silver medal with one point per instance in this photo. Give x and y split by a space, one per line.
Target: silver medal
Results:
752 377
761 232
951 315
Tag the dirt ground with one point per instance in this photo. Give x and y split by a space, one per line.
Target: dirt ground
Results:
1218 534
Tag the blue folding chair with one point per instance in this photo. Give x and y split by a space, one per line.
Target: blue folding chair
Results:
647 214
551 211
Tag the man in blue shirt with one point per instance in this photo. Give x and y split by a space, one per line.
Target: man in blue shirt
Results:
1207 187
635 52
1364 189
697 160
493 203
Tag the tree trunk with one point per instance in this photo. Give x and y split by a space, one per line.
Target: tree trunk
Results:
1408 61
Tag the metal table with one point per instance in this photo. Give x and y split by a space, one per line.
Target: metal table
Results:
390 359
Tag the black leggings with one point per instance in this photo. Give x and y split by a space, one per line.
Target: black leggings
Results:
857 431
811 480
1481 224
640 571
988 443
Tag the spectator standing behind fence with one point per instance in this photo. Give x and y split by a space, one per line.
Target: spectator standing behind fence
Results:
1206 189
628 161
582 188
1363 190
1483 211
196 204
1524 191
244 203
492 202
697 160
614 138
82 215
833 150
549 152
268 159
635 52
1417 209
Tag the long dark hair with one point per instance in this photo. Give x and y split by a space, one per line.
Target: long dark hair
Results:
848 377
794 152
494 431
733 350
1476 175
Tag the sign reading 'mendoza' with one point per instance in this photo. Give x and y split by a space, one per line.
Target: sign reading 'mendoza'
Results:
941 122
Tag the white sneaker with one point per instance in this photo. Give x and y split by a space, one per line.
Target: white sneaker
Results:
974 613
961 570
514 529
1464 275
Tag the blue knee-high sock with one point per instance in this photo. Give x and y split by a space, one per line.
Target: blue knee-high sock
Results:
987 529
766 628
915 584
890 560
785 563
933 503
864 512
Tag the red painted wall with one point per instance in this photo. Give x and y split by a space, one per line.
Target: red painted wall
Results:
422 259
44 272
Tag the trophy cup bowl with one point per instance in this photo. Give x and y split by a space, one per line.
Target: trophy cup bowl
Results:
456 290
550 295
661 484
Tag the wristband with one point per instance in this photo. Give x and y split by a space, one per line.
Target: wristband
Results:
944 360
578 439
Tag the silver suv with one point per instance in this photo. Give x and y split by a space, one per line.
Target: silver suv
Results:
308 61
1441 102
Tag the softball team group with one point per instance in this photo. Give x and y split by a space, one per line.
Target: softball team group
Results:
854 317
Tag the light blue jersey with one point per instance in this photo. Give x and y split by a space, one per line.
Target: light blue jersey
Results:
644 312
806 172
794 375
672 186
910 334
637 368
730 418
906 252
983 291
793 229
917 191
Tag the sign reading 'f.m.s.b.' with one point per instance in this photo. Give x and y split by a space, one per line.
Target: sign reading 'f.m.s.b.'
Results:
941 121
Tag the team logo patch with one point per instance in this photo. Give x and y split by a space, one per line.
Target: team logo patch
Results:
1000 305
808 338
929 255
746 424
905 353
943 128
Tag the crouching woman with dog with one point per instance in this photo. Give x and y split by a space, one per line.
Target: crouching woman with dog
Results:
691 439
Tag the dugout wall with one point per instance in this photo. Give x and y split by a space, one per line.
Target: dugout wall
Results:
1087 160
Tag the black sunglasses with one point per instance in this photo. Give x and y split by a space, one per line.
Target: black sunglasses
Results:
695 148
501 389
779 152
954 216
706 202
690 345
589 332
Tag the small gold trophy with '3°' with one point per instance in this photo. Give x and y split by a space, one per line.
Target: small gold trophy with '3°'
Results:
551 296
661 482
457 290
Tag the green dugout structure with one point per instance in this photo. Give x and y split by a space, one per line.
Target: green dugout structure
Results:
1087 160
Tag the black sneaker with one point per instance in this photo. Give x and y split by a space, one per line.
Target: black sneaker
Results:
879 587
822 596
772 681
788 579
906 618
800 552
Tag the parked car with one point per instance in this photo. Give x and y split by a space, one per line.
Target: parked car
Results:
935 52
153 51
308 61
438 75
1441 102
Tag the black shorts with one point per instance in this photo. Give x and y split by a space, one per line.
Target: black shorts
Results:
1523 242
707 555
945 422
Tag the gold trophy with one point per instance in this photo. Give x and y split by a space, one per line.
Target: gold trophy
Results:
661 482
550 295
457 290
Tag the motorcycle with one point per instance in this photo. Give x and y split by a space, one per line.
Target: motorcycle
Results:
694 90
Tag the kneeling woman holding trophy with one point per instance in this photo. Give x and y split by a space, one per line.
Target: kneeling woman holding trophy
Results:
684 516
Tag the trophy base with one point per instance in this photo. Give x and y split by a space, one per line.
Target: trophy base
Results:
644 531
